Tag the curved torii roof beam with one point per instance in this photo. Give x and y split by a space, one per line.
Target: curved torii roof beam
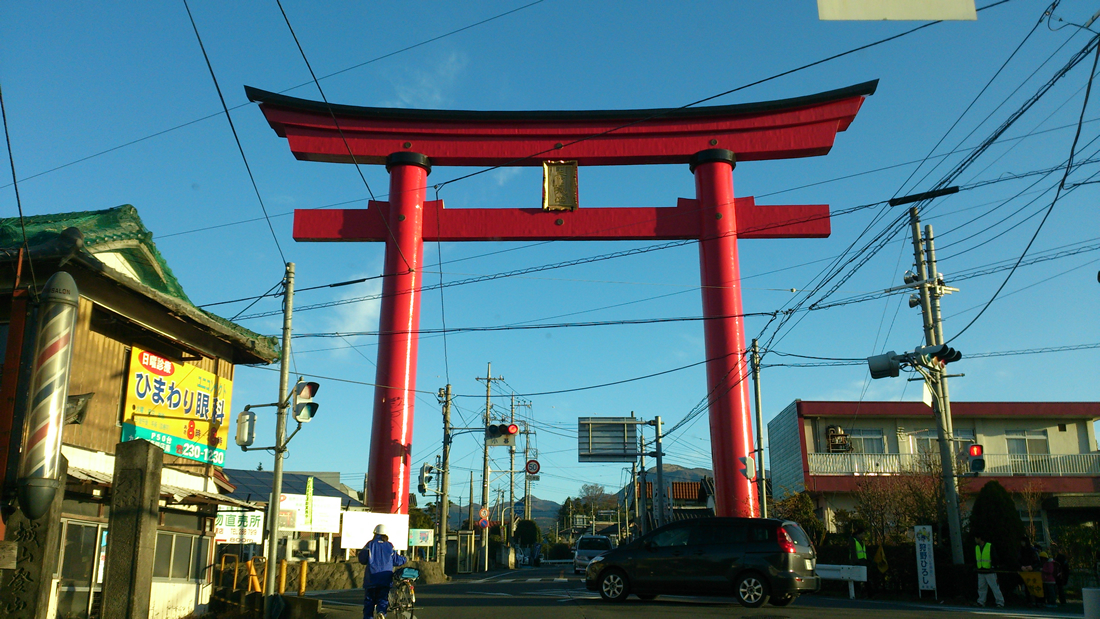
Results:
798 127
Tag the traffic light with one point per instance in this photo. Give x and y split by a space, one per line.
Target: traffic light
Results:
750 467
977 459
501 434
246 428
304 406
425 478
881 366
942 353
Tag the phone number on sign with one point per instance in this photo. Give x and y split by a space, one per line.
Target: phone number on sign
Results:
187 450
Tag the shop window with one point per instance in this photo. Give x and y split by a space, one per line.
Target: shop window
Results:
181 557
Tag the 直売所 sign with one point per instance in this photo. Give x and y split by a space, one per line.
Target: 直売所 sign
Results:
926 562
179 407
236 526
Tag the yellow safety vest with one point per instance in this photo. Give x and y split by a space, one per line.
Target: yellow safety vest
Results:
982 556
861 550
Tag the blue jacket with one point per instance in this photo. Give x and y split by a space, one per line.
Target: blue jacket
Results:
380 559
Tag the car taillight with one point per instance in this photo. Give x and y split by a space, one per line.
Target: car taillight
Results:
786 544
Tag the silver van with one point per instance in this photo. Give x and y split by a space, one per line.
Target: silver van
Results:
587 547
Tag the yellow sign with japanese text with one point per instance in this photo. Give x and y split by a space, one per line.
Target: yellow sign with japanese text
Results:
179 407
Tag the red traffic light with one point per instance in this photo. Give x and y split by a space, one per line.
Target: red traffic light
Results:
975 450
512 429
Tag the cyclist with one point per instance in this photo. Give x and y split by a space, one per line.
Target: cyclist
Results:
380 558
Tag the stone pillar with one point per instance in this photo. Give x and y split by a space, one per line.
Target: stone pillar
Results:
25 590
132 537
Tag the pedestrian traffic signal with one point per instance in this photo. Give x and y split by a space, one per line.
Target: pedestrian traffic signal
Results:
749 470
501 434
942 354
425 477
977 459
881 366
304 406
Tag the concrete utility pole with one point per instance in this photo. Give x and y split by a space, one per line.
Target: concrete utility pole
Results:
445 478
930 291
280 446
643 487
760 484
526 476
661 507
484 554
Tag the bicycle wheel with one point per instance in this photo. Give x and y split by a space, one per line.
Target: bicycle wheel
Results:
401 602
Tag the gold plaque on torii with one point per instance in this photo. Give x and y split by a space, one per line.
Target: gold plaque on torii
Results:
559 186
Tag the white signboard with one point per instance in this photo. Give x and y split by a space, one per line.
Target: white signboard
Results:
421 537
357 528
323 517
237 526
926 564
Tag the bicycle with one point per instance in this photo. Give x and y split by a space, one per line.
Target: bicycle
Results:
403 593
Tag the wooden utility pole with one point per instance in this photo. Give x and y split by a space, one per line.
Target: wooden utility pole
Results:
445 478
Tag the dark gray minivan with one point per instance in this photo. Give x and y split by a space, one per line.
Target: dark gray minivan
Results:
756 560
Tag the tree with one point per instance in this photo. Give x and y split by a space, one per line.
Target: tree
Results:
995 518
1031 496
418 519
800 508
527 532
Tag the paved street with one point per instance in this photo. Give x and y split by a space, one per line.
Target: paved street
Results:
551 593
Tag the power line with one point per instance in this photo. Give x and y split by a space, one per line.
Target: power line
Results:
233 128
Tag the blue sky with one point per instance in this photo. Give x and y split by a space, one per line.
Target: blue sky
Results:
112 103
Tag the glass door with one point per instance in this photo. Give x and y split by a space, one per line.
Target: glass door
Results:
83 550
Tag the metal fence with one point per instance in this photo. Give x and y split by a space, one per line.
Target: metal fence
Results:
995 464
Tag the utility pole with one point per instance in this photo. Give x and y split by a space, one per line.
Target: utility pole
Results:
471 520
760 484
526 476
280 445
656 423
930 288
643 487
485 464
634 480
445 478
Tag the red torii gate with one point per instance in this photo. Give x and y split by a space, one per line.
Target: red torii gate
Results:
709 139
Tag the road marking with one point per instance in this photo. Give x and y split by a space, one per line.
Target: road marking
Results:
561 580
489 593
534 580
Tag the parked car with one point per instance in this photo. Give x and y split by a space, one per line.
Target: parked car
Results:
756 560
587 547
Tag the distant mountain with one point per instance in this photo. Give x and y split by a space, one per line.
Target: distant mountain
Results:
672 472
545 512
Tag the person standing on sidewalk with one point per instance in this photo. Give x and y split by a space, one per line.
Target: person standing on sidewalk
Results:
380 558
985 559
857 555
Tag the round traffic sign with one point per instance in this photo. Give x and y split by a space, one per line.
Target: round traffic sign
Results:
483 523
483 512
532 467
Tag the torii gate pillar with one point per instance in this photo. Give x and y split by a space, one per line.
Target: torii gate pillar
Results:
399 319
409 142
727 389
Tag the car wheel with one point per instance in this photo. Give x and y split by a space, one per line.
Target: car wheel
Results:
647 596
613 586
782 600
751 590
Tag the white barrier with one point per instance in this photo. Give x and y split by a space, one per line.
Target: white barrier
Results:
850 573
1091 598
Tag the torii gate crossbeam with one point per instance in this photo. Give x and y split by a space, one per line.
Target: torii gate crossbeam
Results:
710 140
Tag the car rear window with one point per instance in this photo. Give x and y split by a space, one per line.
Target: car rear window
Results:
798 536
594 544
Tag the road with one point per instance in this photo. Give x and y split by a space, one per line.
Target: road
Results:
551 593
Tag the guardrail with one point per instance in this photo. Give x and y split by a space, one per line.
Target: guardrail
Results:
850 573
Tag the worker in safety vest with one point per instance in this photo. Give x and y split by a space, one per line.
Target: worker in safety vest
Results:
858 554
984 559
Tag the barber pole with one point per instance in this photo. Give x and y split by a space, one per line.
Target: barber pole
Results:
53 353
